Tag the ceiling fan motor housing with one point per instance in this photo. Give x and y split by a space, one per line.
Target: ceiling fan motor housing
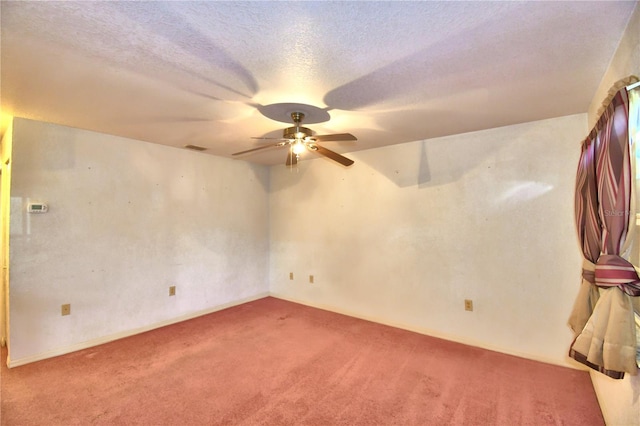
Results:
296 132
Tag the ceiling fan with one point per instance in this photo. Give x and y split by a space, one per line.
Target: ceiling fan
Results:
300 139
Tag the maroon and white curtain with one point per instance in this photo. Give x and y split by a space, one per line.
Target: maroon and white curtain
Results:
603 317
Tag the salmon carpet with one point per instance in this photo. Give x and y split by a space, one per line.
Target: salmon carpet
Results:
273 362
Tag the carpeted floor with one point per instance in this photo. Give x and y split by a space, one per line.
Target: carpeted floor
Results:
272 362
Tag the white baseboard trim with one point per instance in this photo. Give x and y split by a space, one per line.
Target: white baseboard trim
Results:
570 363
110 338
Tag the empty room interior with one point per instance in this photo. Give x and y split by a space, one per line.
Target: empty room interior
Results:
401 169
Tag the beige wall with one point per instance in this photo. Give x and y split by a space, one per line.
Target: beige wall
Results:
410 231
619 399
126 220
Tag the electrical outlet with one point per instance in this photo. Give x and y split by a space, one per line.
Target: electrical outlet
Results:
290 275
311 279
66 309
468 305
172 290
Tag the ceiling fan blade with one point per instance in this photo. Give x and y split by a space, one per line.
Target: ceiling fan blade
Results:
259 148
292 159
333 155
336 137
270 139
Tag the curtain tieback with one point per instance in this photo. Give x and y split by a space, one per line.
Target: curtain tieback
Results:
614 271
589 271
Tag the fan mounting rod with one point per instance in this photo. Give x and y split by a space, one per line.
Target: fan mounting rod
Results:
297 132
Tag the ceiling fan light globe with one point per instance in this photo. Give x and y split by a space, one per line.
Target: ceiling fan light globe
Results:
298 148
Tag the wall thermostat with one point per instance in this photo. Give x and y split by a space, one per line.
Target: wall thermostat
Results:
37 208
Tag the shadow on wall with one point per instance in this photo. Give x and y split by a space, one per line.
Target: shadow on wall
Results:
430 163
261 175
293 176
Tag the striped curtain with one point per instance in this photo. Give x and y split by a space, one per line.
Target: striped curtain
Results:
603 317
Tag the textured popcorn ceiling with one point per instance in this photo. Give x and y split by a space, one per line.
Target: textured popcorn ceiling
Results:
179 73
